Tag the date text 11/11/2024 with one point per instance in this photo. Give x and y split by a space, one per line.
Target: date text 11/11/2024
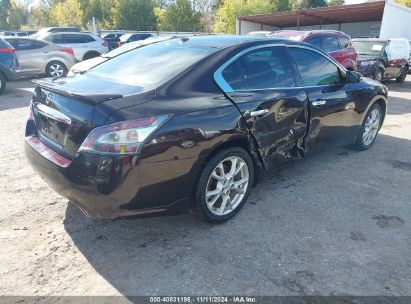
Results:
204 299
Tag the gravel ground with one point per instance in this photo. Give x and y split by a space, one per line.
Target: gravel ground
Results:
335 224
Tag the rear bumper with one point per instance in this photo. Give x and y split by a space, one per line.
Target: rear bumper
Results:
12 75
103 186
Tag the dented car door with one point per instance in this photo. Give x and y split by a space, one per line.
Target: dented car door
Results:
260 81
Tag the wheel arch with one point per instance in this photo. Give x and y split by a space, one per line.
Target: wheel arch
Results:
89 53
245 142
382 102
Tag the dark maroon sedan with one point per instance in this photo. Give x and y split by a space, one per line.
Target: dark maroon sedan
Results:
188 124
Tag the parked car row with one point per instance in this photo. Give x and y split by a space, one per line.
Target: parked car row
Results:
190 123
380 59
51 52
117 39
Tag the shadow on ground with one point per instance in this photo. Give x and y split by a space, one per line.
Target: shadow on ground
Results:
334 224
17 95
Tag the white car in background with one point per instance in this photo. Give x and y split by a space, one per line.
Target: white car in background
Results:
84 45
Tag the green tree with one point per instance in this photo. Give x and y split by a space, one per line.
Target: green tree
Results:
336 2
136 15
18 15
405 2
229 10
302 4
67 13
38 17
282 5
181 17
5 6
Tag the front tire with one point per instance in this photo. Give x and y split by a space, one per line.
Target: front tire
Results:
379 75
56 69
2 83
369 128
403 75
224 185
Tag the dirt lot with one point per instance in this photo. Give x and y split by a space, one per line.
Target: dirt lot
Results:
337 223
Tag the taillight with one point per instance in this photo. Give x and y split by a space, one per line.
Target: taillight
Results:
119 43
122 138
68 51
105 43
7 50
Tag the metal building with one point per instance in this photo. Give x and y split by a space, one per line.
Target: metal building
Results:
384 19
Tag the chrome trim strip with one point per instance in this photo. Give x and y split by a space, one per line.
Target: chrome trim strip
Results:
219 79
52 113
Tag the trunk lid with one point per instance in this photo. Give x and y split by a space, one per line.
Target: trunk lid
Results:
65 111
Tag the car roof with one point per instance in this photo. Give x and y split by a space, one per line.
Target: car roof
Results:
303 33
223 41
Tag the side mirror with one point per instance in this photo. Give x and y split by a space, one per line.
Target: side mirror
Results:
352 77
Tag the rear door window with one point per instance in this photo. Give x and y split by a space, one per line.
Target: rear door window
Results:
265 68
330 44
316 41
73 38
55 38
315 69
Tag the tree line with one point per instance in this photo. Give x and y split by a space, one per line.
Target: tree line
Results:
144 15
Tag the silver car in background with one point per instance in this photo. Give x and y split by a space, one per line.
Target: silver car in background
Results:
38 57
84 45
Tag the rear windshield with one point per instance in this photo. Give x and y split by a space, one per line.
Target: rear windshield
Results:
151 65
374 48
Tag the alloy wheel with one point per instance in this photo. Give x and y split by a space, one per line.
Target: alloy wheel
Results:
227 185
56 70
372 124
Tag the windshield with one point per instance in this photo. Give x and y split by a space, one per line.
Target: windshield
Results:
373 48
151 65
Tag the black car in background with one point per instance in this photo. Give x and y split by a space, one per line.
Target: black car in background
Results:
126 38
112 39
383 59
188 124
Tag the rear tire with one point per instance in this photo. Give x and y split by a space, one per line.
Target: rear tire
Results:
56 69
2 83
403 75
369 128
224 185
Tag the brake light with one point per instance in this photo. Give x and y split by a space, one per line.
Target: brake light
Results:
68 51
119 43
105 43
7 51
122 138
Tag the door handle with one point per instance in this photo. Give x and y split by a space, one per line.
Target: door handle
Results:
319 103
258 113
